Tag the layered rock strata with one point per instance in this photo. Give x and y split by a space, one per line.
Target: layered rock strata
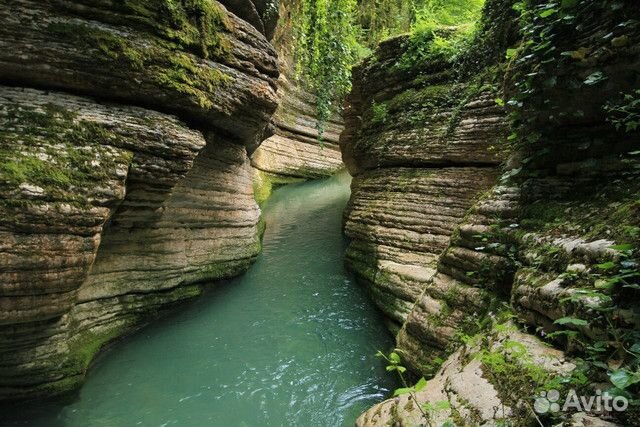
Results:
448 250
421 155
125 181
296 150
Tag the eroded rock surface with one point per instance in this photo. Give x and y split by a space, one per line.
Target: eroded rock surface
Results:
296 150
471 389
125 181
452 226
421 155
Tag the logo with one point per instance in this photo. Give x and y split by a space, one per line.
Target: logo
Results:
547 402
550 402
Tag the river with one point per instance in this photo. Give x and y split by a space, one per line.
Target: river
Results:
291 342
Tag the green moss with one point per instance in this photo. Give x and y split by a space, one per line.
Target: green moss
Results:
442 95
264 184
184 75
87 347
194 25
514 372
167 64
29 169
111 46
221 270
49 148
59 387
262 188
262 227
84 346
435 106
609 211
197 23
379 113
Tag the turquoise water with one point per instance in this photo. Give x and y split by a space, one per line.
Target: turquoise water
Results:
292 342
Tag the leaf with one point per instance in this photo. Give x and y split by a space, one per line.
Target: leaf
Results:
622 248
394 358
403 390
621 41
568 4
547 13
391 368
442 405
422 383
614 364
605 284
635 348
401 369
623 378
580 54
570 334
511 53
595 78
571 321
500 102
609 265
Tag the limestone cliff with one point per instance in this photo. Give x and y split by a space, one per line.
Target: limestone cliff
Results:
295 151
124 175
421 153
467 212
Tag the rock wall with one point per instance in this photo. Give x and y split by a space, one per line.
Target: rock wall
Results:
463 217
295 151
125 181
421 154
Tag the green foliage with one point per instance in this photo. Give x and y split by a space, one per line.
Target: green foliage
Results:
437 13
379 113
435 45
381 19
442 31
184 75
196 23
545 63
394 365
603 306
625 114
326 48
330 35
111 46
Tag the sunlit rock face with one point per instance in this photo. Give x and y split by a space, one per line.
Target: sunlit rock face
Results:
125 181
296 150
454 229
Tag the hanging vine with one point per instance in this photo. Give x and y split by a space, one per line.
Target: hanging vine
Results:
331 35
326 48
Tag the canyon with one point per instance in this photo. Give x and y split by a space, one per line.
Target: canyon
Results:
493 209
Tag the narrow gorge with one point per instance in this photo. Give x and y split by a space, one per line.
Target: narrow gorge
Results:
490 237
